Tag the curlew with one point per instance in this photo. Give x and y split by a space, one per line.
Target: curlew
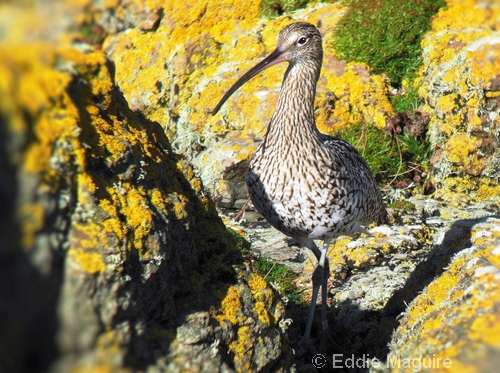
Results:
306 184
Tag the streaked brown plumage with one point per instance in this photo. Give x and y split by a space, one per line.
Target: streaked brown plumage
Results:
307 184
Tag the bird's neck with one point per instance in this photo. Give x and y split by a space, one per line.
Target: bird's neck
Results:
293 119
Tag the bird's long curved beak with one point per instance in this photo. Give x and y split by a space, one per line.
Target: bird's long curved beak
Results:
273 59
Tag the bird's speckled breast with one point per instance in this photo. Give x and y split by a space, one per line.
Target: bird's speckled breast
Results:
317 193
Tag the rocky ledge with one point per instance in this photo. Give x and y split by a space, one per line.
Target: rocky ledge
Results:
114 257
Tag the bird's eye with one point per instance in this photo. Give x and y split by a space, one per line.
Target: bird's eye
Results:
302 40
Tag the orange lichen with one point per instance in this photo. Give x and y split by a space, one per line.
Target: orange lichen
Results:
460 60
241 347
456 316
89 262
230 308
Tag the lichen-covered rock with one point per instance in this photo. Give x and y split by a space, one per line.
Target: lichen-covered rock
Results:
460 86
412 291
456 319
113 258
176 73
175 60
113 254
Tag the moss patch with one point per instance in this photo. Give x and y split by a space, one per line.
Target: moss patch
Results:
385 34
276 8
396 161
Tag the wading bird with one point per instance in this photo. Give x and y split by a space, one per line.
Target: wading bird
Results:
306 184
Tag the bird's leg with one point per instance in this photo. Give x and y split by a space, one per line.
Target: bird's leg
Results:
323 262
319 280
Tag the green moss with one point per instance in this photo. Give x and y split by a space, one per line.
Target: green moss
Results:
273 272
404 205
393 160
241 243
385 34
417 151
378 150
407 101
282 276
92 33
276 8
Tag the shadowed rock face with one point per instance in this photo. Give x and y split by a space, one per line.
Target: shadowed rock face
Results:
112 255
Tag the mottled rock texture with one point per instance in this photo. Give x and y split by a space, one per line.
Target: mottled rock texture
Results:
457 316
194 56
415 291
460 87
112 255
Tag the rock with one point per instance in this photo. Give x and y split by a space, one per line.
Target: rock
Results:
113 256
389 292
458 86
176 74
456 319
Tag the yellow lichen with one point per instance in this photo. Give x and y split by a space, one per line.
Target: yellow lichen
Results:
459 147
460 62
257 283
83 143
150 71
134 208
486 329
455 316
488 190
89 262
264 298
241 347
97 369
458 191
114 225
85 236
435 294
361 97
32 220
230 309
262 313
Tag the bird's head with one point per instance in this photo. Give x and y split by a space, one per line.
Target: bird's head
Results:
298 42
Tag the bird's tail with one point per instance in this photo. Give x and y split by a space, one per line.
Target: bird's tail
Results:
383 216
